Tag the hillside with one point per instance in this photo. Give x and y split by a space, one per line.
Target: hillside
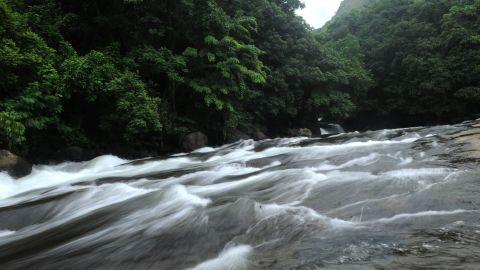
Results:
135 77
423 55
350 5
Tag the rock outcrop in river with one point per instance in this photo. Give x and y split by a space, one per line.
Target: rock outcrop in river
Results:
13 164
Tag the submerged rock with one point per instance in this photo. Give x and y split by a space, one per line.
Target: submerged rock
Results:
194 141
14 165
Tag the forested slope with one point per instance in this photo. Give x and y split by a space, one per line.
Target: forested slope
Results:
348 6
121 76
424 57
134 76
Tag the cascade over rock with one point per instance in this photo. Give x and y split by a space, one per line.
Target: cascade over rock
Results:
390 199
330 129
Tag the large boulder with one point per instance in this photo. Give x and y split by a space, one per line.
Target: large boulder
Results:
236 135
305 132
259 136
14 165
299 132
194 141
71 153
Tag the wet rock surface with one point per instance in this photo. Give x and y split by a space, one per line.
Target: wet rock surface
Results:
469 141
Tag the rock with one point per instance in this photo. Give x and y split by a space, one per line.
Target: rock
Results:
305 132
14 165
292 132
301 132
71 153
194 141
236 135
468 142
259 136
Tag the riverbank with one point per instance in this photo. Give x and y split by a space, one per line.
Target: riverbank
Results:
465 145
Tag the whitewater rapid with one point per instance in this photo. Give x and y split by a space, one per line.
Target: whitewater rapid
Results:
388 199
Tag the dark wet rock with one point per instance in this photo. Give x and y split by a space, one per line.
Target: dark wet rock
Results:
72 153
13 164
259 136
194 141
237 135
300 132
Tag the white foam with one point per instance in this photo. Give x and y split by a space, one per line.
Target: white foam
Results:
7 185
68 173
177 206
412 173
234 258
99 197
405 161
204 150
179 193
301 213
6 233
420 214
224 187
287 141
234 169
361 161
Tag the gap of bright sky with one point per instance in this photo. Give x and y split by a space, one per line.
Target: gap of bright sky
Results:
318 12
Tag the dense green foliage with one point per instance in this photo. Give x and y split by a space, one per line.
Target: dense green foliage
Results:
129 76
139 74
424 56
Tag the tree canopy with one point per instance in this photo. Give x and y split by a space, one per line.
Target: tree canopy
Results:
424 57
133 75
122 75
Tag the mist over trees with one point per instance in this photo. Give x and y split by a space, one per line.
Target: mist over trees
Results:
132 75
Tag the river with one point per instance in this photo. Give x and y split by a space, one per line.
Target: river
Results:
388 199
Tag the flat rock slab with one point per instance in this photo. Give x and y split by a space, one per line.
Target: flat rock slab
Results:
469 141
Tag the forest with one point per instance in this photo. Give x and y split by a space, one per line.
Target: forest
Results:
135 76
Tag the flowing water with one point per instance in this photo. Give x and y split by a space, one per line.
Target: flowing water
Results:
390 199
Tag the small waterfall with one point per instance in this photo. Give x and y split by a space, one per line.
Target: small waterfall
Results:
328 129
